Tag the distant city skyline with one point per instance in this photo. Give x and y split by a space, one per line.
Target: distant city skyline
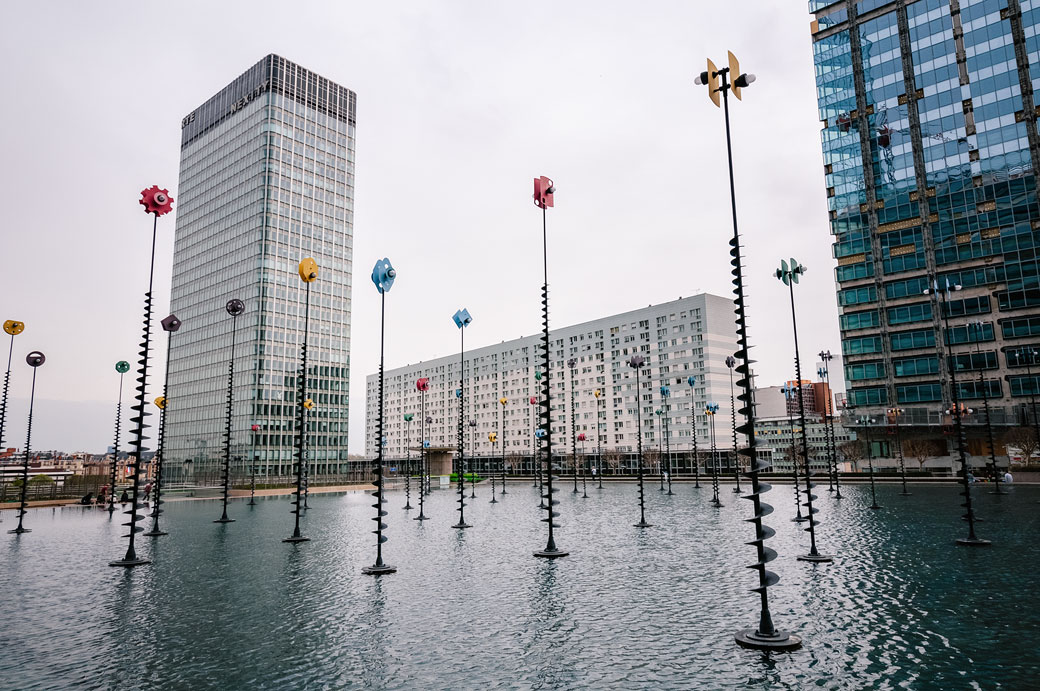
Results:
461 106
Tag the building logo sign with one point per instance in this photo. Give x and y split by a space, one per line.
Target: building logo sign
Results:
236 106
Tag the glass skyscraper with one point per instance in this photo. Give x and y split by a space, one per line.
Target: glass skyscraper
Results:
266 179
930 155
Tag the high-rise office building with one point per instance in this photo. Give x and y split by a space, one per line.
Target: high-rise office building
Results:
266 179
930 156
687 337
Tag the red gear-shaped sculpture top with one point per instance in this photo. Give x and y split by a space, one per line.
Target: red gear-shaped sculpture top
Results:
156 201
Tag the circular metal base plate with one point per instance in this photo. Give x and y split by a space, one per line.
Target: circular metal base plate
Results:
420 518
815 558
460 526
19 531
781 640
155 533
129 562
379 570
224 520
554 554
642 524
297 539
976 542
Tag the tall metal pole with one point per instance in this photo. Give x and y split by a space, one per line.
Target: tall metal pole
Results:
12 327
730 364
423 384
502 438
308 273
543 198
462 318
693 434
636 362
34 360
665 395
234 308
896 413
408 462
571 363
765 636
870 463
122 367
789 392
170 325
975 326
599 440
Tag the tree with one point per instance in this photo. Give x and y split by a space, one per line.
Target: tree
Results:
852 451
918 449
612 458
652 460
1024 439
514 461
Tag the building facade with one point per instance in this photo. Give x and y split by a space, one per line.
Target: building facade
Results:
687 337
778 426
266 179
931 150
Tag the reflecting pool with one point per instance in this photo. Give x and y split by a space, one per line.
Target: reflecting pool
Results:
233 607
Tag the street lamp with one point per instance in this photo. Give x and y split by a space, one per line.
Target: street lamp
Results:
157 202
122 367
636 362
711 409
789 276
383 276
234 307
864 422
462 320
308 271
543 199
895 414
692 381
765 636
976 328
942 297
731 362
34 360
832 441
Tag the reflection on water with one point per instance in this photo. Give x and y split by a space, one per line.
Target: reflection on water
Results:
230 606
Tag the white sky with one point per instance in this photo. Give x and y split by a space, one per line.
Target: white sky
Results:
460 105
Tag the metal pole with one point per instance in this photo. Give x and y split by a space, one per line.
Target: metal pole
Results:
301 424
22 503
379 568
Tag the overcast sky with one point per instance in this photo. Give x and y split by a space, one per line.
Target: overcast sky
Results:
460 105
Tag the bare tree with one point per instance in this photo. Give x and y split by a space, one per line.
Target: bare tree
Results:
1024 439
918 449
612 458
652 460
852 451
514 461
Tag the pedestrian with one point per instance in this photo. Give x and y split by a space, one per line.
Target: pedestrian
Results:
1007 477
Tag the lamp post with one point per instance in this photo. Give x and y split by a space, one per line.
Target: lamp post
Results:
731 362
408 461
12 328
462 320
895 414
764 636
502 437
824 373
976 328
423 385
691 380
34 360
790 390
1033 354
789 276
942 296
599 439
571 363
544 189
665 395
234 307
711 409
170 325
156 202
308 270
383 276
864 422
122 367
636 362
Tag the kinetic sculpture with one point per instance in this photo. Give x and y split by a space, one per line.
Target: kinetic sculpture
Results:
731 362
34 360
254 428
308 271
571 363
692 381
599 448
473 447
502 439
493 437
893 415
234 307
711 409
408 461
462 320
423 385
790 390
158 203
543 199
832 442
765 636
665 394
170 325
584 489
383 276
122 367
636 362
789 276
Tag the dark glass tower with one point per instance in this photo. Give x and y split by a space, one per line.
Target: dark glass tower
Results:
266 179
930 153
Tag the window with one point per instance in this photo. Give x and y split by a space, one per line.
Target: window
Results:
874 396
860 320
919 393
974 389
906 314
914 366
861 346
973 305
974 361
1024 386
1019 327
969 333
857 296
908 340
865 370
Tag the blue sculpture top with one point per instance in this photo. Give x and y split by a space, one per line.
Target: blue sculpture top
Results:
665 391
426 443
692 381
711 407
462 318
383 275
458 393
821 372
539 433
788 390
